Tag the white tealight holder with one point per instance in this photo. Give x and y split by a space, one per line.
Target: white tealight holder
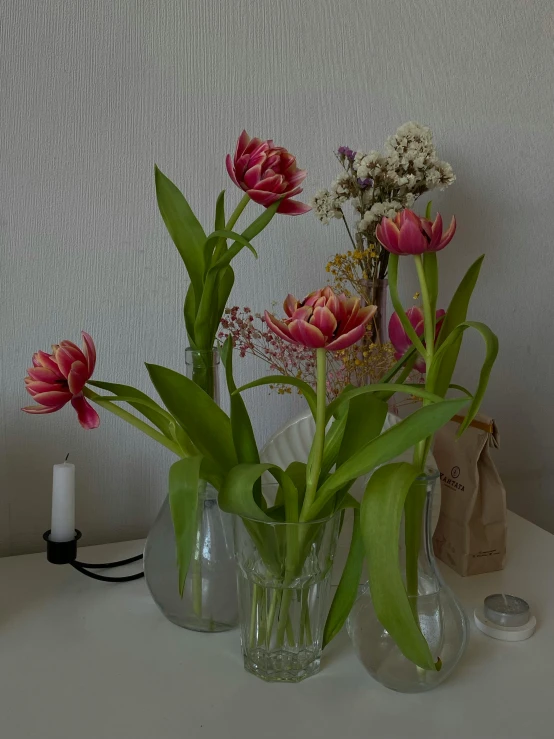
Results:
505 617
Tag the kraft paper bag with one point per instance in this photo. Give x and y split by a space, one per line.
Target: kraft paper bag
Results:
471 531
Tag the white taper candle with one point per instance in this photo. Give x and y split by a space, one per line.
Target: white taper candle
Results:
63 503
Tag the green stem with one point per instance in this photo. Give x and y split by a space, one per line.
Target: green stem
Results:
238 210
290 632
393 290
413 522
415 500
275 600
429 322
197 555
316 452
253 613
283 616
309 638
422 448
300 598
203 373
134 421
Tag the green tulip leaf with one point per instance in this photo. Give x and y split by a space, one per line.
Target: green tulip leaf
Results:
183 226
410 356
241 426
347 590
174 431
220 212
140 402
205 423
209 310
455 315
261 222
239 243
218 226
461 388
184 477
297 473
225 282
365 419
380 517
189 312
404 435
237 496
442 357
347 395
333 441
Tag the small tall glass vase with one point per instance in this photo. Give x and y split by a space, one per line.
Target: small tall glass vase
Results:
209 601
375 292
284 573
441 618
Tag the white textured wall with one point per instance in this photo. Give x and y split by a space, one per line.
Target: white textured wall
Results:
95 92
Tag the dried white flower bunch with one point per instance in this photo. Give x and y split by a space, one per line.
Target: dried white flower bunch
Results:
380 184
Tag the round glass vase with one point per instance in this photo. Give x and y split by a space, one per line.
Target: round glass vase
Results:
441 618
209 601
284 576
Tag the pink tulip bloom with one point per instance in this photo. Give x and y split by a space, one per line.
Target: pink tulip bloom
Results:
322 320
407 233
400 339
267 173
57 378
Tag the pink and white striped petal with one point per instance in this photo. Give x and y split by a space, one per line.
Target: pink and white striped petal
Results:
40 409
345 340
411 240
88 417
306 334
53 397
278 327
263 198
293 208
325 321
89 351
77 378
290 305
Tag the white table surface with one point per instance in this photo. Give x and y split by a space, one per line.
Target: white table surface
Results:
90 660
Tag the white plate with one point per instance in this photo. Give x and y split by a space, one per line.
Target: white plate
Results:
293 440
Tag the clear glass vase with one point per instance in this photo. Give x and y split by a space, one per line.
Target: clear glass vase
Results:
209 601
283 573
441 618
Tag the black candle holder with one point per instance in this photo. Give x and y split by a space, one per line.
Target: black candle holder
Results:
65 552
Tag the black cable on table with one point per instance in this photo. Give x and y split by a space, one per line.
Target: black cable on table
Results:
104 578
107 565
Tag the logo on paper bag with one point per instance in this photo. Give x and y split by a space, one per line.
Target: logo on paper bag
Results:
450 481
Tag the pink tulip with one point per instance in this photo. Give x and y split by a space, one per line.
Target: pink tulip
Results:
267 173
400 339
57 378
322 320
407 233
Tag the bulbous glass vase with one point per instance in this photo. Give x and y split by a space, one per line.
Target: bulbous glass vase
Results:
209 601
441 618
